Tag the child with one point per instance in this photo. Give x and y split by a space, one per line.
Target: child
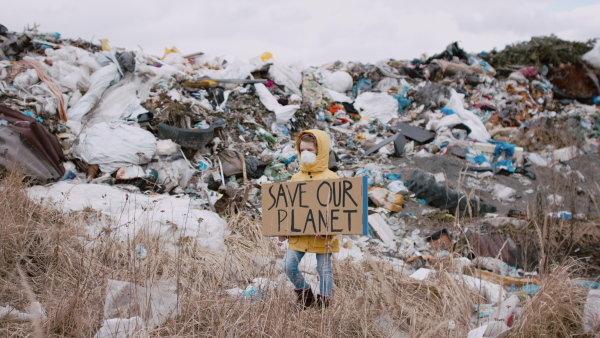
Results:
313 148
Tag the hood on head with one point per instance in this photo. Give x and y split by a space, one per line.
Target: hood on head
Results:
322 161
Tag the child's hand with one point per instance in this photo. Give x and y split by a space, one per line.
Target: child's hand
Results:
324 236
282 238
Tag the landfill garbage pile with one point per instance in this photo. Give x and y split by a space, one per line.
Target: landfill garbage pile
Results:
198 136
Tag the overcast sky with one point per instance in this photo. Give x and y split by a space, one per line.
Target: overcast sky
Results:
310 31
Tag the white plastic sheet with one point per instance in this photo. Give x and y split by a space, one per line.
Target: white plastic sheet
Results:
119 102
100 80
74 56
288 75
387 83
236 69
283 113
68 77
115 146
130 310
338 81
10 314
26 79
591 311
338 97
493 293
123 328
377 105
169 217
593 56
468 118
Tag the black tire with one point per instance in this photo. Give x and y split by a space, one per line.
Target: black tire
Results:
189 138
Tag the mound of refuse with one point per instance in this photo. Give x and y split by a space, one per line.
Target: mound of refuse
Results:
457 135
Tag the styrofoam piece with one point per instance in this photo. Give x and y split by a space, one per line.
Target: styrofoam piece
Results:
537 159
421 274
383 230
565 154
489 148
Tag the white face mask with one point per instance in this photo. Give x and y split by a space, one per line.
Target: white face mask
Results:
308 157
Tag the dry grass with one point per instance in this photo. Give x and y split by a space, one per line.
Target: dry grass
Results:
67 272
557 309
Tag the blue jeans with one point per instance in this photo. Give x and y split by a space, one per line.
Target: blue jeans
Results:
290 264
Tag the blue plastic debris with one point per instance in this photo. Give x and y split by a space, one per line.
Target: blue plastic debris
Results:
140 251
531 288
253 294
508 149
513 288
290 160
505 164
350 144
478 159
588 284
561 214
422 201
596 100
484 310
403 102
281 129
393 177
447 111
30 114
203 165
69 176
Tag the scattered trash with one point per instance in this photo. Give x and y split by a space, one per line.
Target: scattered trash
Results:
144 308
10 314
438 195
185 138
591 312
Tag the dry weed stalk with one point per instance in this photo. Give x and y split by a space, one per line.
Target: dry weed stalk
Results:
68 271
556 310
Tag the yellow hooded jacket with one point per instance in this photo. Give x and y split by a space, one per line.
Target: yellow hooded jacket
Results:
319 170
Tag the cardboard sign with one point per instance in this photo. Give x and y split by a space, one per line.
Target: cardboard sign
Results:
323 207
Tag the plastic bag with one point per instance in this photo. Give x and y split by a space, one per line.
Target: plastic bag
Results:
101 80
338 81
146 308
119 102
468 118
231 160
74 56
26 79
283 113
288 75
377 105
591 311
338 97
112 147
387 83
593 56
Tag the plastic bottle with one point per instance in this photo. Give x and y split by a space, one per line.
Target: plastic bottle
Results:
266 135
